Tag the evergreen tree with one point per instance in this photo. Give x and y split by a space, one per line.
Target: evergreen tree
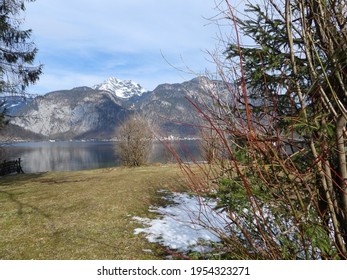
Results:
300 46
298 64
282 128
17 52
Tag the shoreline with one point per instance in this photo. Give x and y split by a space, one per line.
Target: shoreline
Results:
2 143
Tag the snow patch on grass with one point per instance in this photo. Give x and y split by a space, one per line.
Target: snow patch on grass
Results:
179 226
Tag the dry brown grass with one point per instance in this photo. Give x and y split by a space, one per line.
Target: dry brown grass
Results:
80 215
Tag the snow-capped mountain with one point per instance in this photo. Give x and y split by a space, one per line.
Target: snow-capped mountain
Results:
67 114
87 113
121 88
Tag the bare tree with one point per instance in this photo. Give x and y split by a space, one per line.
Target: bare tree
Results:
134 141
210 145
287 116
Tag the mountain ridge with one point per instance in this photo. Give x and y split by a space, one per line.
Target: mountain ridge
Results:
121 88
95 113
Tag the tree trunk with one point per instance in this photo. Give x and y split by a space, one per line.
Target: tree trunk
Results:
341 153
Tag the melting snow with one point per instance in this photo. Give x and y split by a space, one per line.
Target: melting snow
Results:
184 225
179 226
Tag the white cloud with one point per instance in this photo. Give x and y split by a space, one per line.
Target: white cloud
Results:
66 80
82 37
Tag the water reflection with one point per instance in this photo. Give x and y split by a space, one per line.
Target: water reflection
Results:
167 152
66 156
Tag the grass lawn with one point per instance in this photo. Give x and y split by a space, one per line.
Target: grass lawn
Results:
81 215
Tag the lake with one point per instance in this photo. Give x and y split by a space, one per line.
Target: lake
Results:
79 155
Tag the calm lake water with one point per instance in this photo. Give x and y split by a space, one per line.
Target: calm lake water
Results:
75 155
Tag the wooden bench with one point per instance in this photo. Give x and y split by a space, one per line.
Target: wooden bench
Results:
9 167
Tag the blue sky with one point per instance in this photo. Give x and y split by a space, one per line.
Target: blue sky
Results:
85 42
